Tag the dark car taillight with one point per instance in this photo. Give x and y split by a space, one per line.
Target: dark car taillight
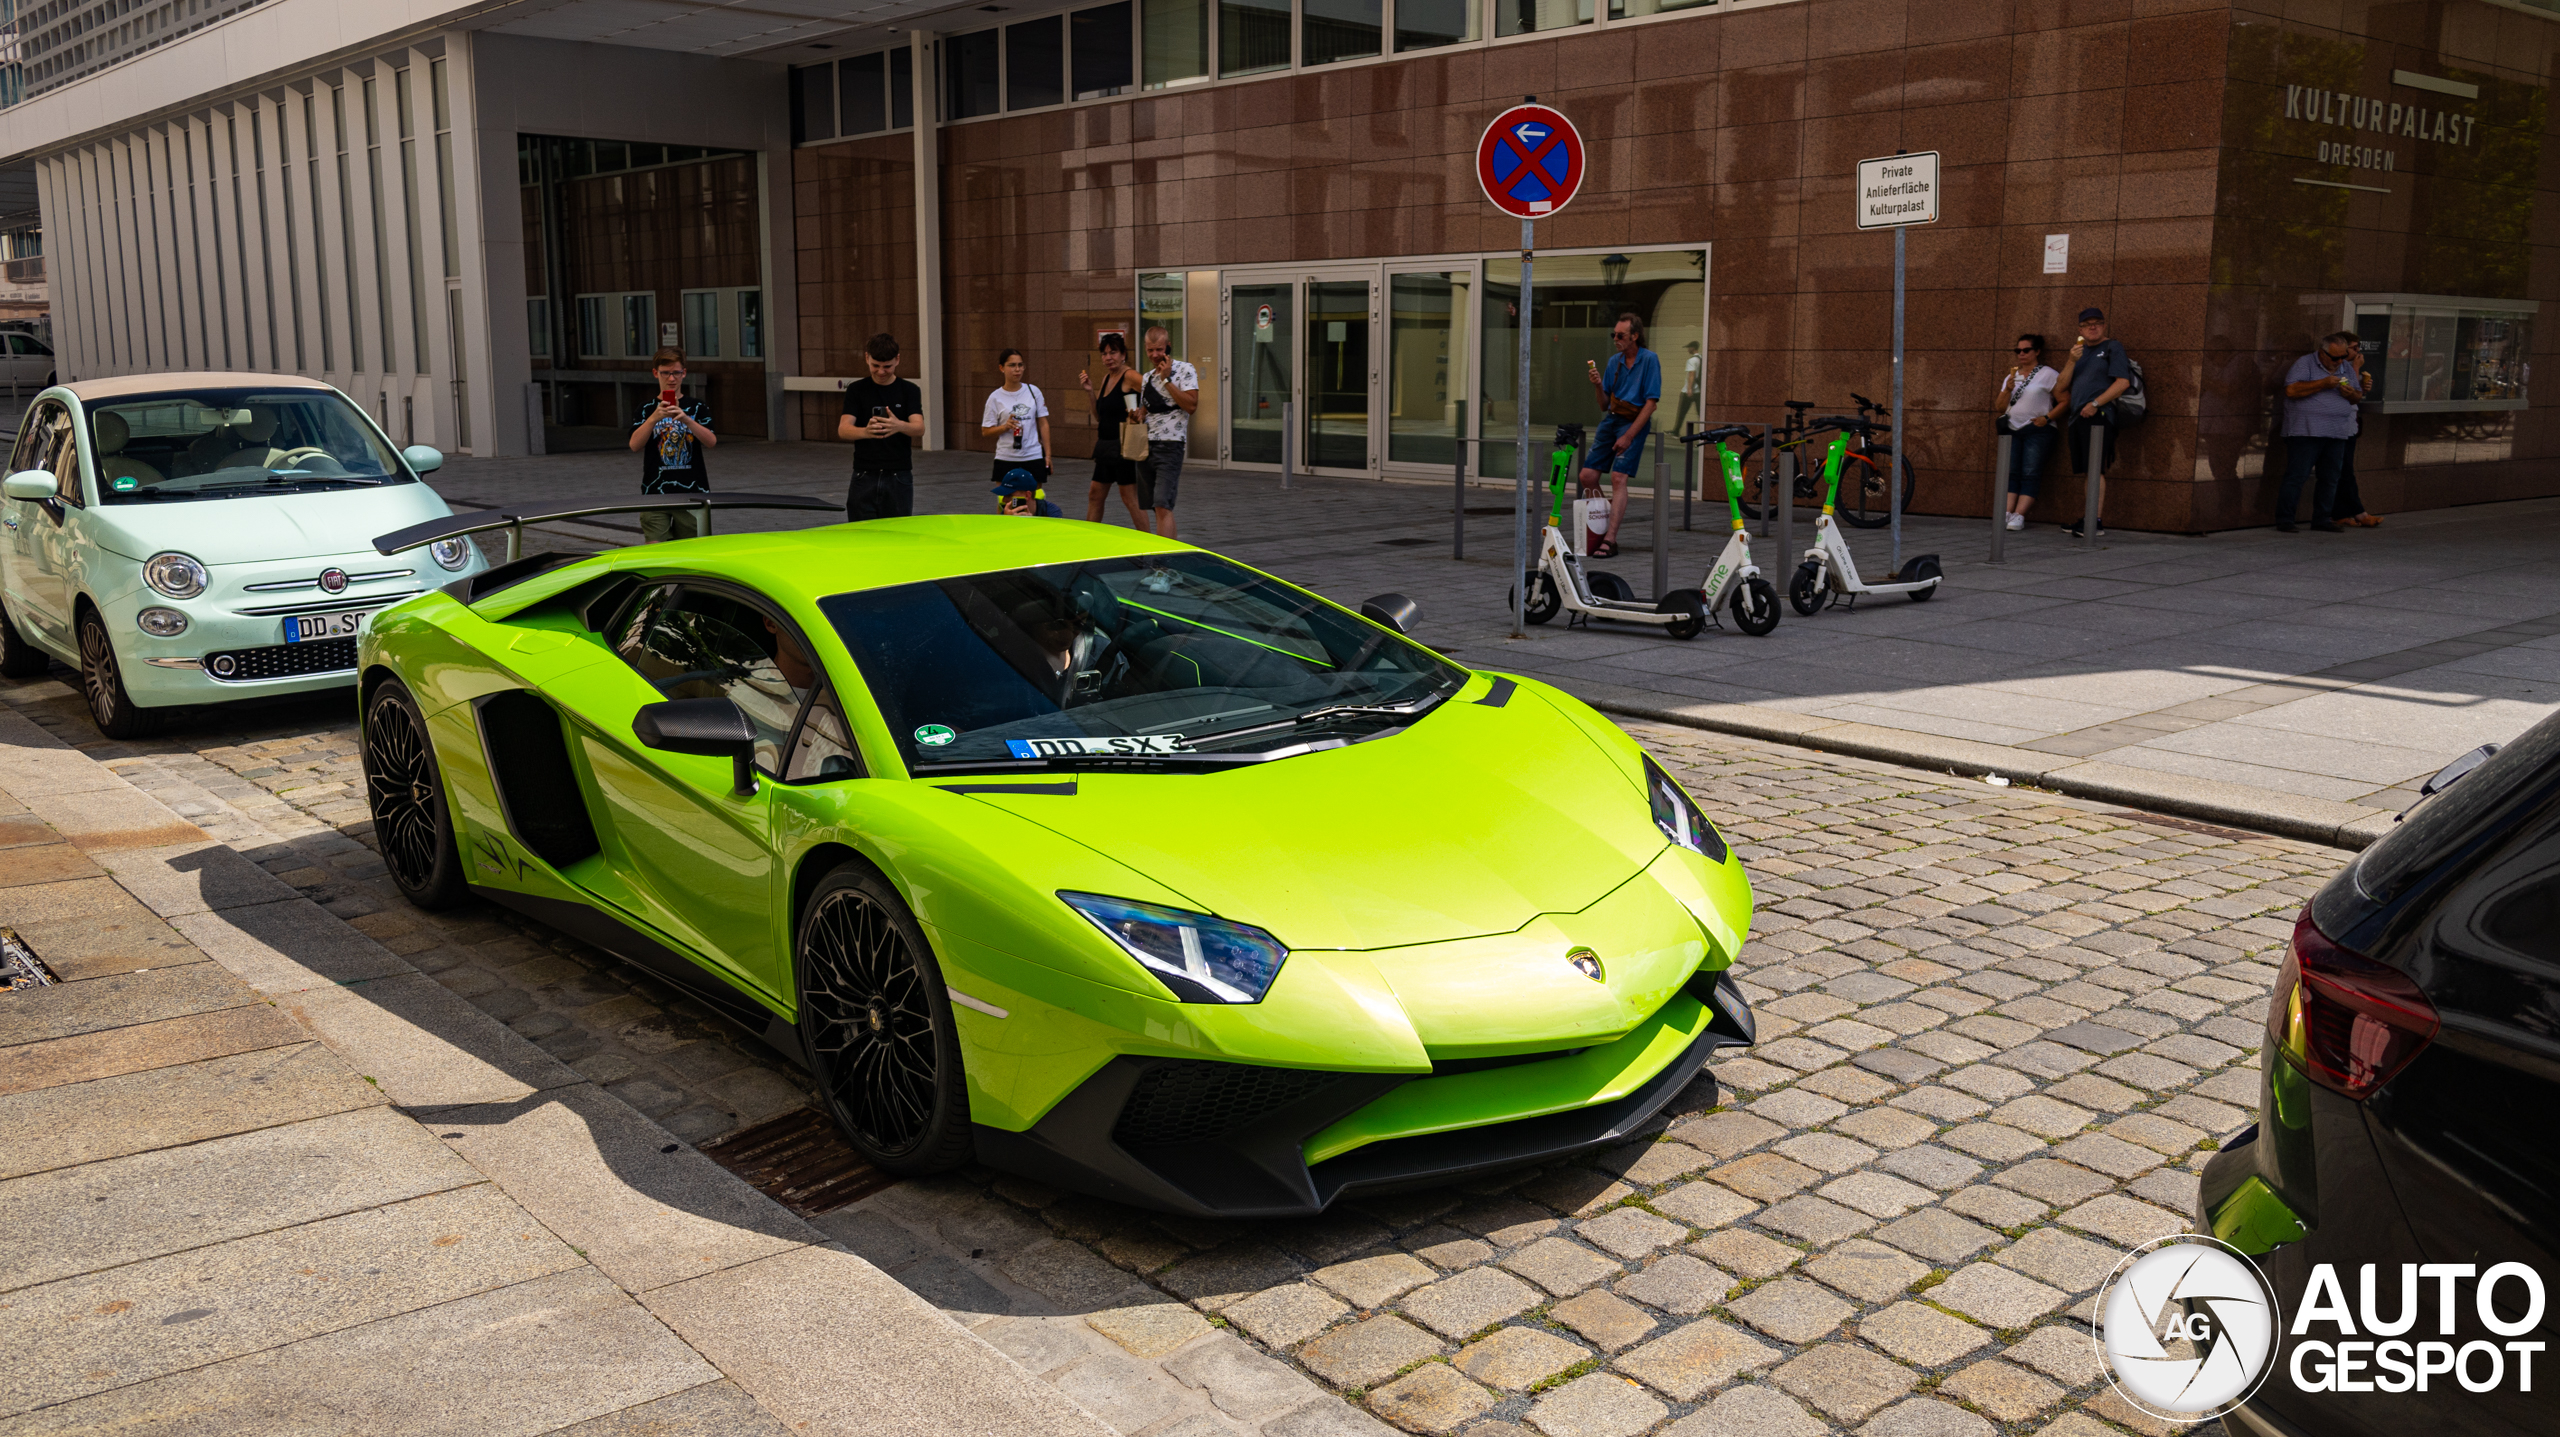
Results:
2348 1022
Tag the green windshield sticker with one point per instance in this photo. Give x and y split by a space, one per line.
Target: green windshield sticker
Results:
124 484
934 735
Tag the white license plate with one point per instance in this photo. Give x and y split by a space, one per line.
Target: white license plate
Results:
304 628
1073 747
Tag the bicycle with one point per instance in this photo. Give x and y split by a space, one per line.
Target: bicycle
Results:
1863 484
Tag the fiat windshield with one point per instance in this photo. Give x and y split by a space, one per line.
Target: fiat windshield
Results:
1169 661
230 443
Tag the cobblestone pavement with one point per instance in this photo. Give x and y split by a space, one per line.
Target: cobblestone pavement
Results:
2000 1030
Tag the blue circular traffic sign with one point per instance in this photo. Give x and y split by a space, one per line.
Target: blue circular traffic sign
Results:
1530 161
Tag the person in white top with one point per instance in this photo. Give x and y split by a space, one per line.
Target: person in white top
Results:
1018 416
1169 394
2026 408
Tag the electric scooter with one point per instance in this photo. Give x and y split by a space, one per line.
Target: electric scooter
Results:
1753 601
1559 583
1828 574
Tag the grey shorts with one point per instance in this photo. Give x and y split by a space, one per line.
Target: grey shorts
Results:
1160 473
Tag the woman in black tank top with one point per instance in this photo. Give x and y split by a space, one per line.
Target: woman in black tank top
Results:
1115 402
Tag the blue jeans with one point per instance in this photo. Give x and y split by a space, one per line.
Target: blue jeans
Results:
2030 449
2303 454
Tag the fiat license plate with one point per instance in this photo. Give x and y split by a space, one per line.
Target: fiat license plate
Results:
305 628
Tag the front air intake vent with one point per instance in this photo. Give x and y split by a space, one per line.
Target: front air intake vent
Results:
1197 1102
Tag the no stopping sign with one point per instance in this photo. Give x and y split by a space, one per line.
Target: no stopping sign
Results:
1530 161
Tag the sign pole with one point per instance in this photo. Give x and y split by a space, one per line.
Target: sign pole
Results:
1520 499
1897 191
1901 441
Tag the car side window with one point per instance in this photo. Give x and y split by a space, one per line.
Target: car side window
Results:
66 461
693 643
823 749
34 449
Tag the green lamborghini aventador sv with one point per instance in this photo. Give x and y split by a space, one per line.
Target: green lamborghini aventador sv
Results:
1077 852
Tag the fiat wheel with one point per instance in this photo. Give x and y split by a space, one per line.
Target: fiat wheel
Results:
876 1021
102 684
412 826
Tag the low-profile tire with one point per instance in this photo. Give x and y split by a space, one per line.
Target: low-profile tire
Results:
18 658
1754 606
1690 605
876 1021
1924 567
1805 591
404 786
1545 602
1605 585
102 684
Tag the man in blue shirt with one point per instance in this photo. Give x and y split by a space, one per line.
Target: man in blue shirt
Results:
2321 393
1629 390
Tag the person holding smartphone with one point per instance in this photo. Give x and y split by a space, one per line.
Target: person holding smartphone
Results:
670 437
883 417
1017 416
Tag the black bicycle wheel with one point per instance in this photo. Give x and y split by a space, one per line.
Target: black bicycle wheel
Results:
1755 606
412 825
1862 490
876 1020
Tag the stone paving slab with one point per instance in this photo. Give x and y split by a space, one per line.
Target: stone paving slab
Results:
190 1102
142 1046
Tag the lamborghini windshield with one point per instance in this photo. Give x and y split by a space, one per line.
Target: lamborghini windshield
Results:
231 443
1170 662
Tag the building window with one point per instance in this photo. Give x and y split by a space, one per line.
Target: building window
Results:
407 110
1175 46
813 115
444 170
346 198
1099 39
1638 9
702 324
1333 30
639 325
971 87
2425 355
750 324
592 330
1253 37
1529 17
1035 61
1426 24
537 324
862 93
381 234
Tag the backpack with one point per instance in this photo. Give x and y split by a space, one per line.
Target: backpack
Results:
2134 403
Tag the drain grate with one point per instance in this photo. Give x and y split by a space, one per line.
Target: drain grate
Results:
800 1161
19 965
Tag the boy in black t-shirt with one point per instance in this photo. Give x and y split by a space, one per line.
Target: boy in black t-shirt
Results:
670 440
883 416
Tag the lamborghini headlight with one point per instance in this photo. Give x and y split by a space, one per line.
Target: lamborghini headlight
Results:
451 554
1678 818
1201 958
175 575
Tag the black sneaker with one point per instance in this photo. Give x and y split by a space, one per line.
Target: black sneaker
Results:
2073 528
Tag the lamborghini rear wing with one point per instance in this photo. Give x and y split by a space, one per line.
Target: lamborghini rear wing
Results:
515 517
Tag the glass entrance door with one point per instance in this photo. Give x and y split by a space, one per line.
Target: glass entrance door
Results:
1261 368
1338 374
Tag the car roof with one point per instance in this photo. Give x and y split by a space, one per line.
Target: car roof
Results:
125 386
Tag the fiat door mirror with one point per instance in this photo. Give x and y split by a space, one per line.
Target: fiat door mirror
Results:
32 484
423 459
713 728
1393 610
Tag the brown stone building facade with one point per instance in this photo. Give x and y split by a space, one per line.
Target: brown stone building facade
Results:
1293 194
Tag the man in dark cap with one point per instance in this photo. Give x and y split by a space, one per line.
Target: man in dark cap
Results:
2097 371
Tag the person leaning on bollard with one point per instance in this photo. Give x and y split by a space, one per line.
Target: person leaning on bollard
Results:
883 416
1629 391
2321 393
2097 371
1169 394
2026 417
670 437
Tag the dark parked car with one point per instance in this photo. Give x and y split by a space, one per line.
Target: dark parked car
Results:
2411 1115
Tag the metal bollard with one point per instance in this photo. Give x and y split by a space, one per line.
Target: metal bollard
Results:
1661 528
1288 440
1688 477
1785 503
1458 500
2089 496
2002 446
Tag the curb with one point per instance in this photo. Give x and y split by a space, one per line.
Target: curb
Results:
2284 815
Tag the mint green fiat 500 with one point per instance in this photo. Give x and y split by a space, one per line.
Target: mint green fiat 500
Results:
198 538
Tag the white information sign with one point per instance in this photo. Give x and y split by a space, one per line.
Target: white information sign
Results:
1898 190
2057 254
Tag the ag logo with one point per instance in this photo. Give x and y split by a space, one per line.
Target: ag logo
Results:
2188 1327
934 735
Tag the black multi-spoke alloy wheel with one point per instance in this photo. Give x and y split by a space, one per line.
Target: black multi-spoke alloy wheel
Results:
18 658
1690 605
1544 600
411 823
1806 590
102 684
876 1020
1754 606
1605 585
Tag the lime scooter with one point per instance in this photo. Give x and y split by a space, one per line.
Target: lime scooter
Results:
1828 574
1559 583
1734 582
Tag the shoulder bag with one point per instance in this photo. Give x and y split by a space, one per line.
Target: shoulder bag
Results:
1133 429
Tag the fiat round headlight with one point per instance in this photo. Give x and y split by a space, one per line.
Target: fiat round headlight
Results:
1201 958
161 623
1678 818
451 553
174 574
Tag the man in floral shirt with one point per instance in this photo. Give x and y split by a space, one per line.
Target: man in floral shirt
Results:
1169 393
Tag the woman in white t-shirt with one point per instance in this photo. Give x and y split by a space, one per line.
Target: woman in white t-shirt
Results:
1018 418
2026 401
